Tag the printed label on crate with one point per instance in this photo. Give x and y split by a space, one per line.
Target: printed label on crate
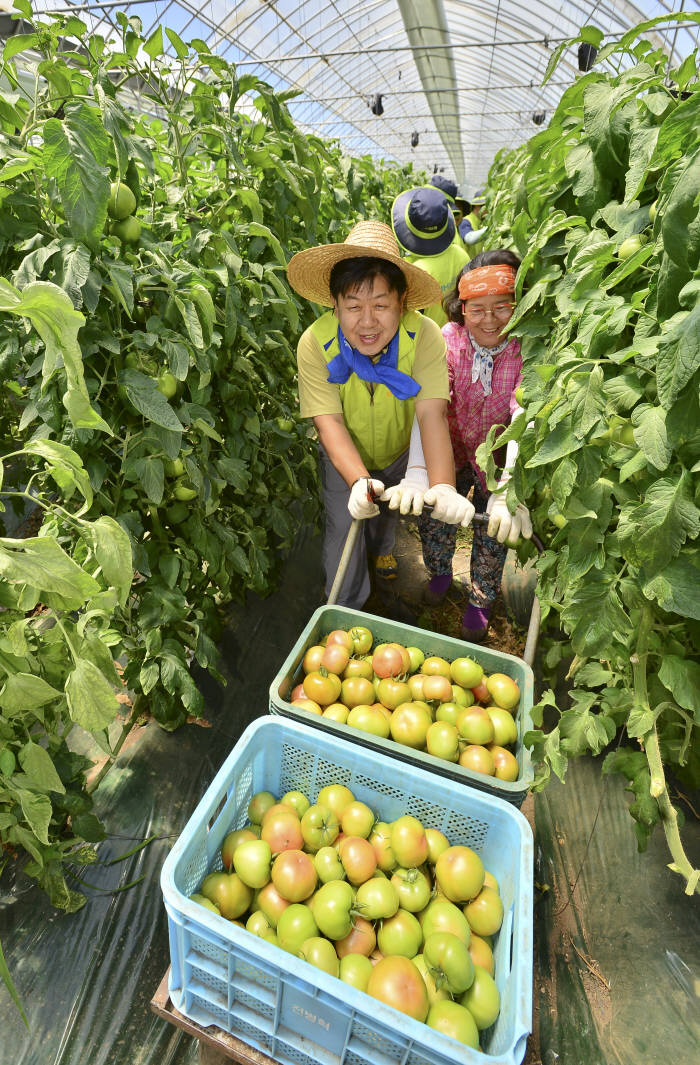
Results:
314 1020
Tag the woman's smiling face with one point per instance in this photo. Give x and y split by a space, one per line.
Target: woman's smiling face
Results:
487 317
369 315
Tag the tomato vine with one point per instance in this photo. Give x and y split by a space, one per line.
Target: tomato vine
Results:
603 206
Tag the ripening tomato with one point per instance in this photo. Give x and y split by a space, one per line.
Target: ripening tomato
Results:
357 819
259 925
297 800
355 969
321 954
232 840
359 667
485 912
361 939
260 802
461 696
442 741
319 826
415 684
271 903
391 692
437 688
362 639
474 725
356 691
297 693
434 666
460 873
455 1020
336 797
328 865
434 994
322 687
503 690
408 841
380 838
478 759
295 926
409 725
228 892
331 906
335 659
369 719
282 831
294 875
336 712
400 934
377 898
437 843
506 764
448 961
309 705
481 954
441 915
481 693
482 999
416 658
341 637
397 982
413 889
466 672
505 730
251 860
388 661
358 858
448 712
312 658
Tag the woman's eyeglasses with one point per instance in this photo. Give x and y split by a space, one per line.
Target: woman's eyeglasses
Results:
501 311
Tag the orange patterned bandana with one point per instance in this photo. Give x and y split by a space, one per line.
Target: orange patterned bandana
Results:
487 281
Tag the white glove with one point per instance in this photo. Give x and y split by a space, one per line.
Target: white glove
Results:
475 235
407 495
360 503
506 526
448 505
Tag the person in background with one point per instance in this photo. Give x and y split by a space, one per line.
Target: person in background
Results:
471 228
368 367
424 226
485 368
449 190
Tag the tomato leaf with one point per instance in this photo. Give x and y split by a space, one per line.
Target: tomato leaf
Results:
76 152
682 678
39 768
42 563
23 691
650 435
91 699
112 549
676 587
143 394
654 531
678 357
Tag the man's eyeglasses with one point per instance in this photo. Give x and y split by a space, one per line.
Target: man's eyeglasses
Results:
502 311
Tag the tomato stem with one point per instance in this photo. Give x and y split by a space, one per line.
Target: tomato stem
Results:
658 787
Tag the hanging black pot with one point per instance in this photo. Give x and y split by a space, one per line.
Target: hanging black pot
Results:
538 117
586 56
376 104
414 140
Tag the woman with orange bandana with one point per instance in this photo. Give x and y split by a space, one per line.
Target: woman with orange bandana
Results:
484 368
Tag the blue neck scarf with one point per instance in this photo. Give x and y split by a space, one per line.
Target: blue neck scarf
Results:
384 372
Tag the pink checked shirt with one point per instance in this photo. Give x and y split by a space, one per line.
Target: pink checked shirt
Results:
470 413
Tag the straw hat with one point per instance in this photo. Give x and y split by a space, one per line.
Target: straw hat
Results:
309 271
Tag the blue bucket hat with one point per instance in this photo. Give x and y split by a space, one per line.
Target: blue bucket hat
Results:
422 221
445 185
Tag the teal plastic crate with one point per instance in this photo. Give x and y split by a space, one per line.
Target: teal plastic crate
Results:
223 975
327 618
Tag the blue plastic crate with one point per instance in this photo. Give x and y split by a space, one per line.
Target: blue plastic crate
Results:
384 630
223 975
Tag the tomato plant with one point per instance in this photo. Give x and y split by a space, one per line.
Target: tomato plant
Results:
603 205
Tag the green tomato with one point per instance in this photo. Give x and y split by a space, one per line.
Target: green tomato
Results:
122 201
519 395
173 467
183 492
128 230
167 384
177 513
285 424
630 246
653 211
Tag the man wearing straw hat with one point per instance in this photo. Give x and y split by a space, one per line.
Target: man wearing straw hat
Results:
365 367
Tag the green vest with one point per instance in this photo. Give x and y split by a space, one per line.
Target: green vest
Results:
378 422
445 268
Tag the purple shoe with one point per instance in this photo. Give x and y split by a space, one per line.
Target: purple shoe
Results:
475 623
437 588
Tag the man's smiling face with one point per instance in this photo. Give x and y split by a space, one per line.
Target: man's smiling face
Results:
369 315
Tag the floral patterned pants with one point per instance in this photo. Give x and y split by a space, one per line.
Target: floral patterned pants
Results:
488 556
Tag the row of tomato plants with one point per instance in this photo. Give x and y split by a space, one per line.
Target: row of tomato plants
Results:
149 373
604 208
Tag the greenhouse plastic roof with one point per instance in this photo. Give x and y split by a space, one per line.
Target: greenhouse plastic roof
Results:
440 83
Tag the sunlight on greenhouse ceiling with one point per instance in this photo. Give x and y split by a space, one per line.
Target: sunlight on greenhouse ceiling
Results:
443 84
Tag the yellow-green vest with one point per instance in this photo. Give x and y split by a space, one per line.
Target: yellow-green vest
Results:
378 422
476 223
